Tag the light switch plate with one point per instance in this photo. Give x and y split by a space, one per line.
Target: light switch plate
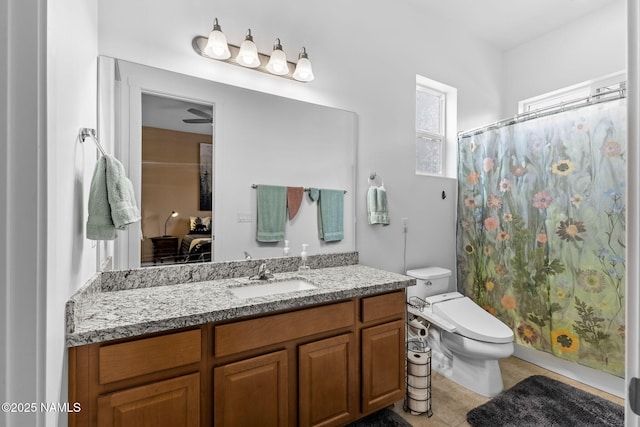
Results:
244 217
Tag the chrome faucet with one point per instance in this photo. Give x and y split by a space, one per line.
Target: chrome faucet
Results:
263 273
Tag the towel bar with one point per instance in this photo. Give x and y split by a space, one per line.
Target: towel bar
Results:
86 132
305 188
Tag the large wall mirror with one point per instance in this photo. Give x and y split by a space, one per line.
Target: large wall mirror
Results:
198 148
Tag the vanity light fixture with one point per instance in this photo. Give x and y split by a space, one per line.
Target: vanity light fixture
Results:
246 55
173 214
217 46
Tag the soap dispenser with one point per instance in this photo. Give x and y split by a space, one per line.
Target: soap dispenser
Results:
285 250
303 255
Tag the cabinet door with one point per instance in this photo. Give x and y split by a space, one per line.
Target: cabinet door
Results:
252 392
170 403
383 365
326 381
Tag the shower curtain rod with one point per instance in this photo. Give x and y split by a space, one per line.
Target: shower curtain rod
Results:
607 95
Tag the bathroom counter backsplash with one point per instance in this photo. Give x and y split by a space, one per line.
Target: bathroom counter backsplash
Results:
121 304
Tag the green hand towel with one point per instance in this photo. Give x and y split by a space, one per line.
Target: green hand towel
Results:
124 210
272 213
112 205
99 223
330 215
377 206
314 194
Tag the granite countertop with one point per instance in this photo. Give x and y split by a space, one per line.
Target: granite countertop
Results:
112 314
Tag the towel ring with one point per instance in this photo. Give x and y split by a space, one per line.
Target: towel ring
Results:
372 178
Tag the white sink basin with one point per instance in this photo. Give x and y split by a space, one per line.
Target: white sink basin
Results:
271 288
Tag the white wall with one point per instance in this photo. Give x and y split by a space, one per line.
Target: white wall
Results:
591 47
47 83
363 62
22 203
71 104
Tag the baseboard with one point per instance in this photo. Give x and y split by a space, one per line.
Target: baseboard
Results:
589 376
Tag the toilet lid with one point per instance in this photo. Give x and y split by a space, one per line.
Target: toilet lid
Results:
472 321
429 273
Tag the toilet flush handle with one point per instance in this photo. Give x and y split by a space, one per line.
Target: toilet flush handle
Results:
429 283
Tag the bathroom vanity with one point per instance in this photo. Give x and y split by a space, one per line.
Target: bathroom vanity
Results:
193 353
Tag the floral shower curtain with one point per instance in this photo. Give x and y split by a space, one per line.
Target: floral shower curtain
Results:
541 230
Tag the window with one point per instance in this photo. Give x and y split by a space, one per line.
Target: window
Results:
573 94
436 128
430 131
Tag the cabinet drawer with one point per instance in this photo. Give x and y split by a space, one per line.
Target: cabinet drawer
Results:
144 356
256 333
382 306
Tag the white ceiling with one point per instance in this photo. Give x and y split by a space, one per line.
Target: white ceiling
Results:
168 113
508 23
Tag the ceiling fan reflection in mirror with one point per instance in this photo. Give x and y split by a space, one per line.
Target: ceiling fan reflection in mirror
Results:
205 117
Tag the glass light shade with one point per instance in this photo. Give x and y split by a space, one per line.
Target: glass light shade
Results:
217 46
278 61
248 55
303 71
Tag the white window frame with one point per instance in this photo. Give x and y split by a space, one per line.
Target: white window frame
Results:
571 94
449 127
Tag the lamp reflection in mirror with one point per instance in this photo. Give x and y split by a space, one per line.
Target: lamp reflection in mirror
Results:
303 71
248 55
217 46
173 214
278 61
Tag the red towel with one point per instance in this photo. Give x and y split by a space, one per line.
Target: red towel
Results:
294 199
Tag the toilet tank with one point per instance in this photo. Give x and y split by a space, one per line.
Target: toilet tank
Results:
430 281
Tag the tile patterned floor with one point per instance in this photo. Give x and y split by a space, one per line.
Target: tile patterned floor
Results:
451 402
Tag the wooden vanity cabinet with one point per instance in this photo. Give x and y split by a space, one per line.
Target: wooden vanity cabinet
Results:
327 381
168 403
276 360
382 350
324 365
151 381
252 389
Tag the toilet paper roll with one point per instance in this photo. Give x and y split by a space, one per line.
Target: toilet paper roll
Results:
418 328
417 370
418 405
420 382
418 393
418 357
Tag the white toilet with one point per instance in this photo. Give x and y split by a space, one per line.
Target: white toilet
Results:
466 341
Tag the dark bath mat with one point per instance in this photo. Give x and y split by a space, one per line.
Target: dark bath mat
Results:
539 401
382 418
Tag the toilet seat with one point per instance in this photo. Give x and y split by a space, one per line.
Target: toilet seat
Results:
472 321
